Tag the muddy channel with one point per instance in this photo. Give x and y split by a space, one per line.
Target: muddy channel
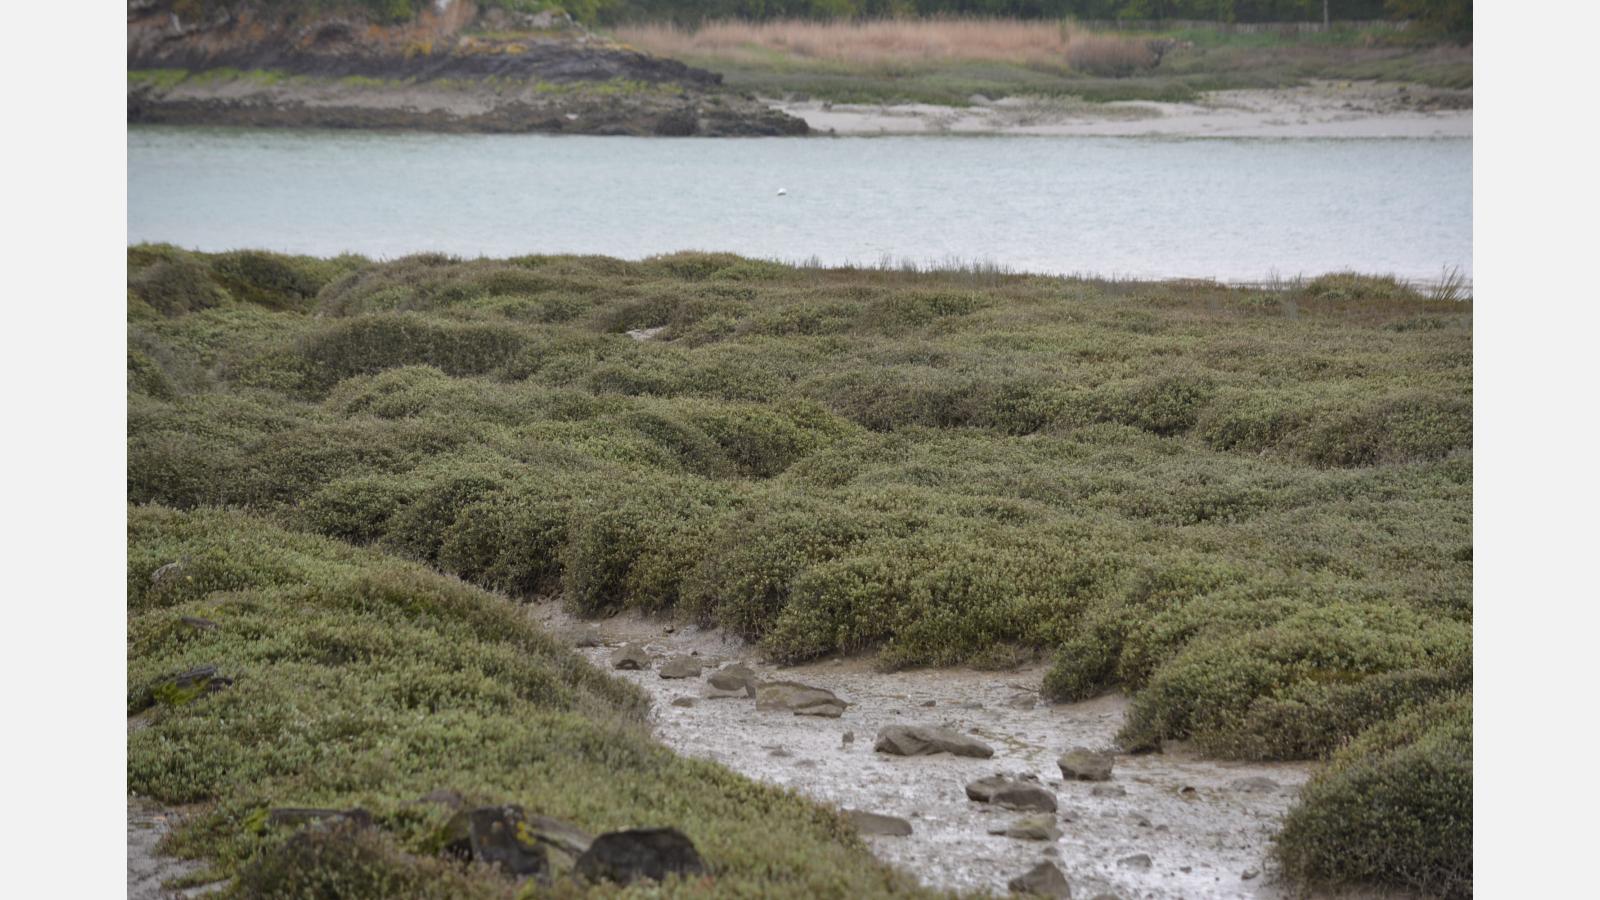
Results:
1166 825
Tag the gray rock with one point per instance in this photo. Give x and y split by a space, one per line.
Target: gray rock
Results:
1083 764
630 656
681 667
1022 701
1044 880
683 701
848 739
639 853
877 823
1139 819
734 680
1255 785
1031 828
1248 874
1136 861
498 835
1012 793
801 699
170 572
1108 790
924 740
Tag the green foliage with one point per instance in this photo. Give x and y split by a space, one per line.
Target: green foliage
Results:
1394 807
362 680
1251 509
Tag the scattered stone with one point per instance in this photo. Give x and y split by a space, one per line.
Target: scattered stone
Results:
1022 701
1248 874
801 699
734 680
1108 790
670 629
877 823
172 571
1012 793
630 656
970 704
683 701
628 856
1031 828
296 815
923 740
1256 784
1188 792
1136 861
1139 819
583 636
1083 764
681 667
848 739
1044 880
184 687
779 752
930 703
498 835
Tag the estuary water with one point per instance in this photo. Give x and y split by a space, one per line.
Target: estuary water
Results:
1236 210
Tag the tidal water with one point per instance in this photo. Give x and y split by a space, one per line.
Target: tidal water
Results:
1238 210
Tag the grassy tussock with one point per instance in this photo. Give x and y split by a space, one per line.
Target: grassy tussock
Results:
1250 508
363 680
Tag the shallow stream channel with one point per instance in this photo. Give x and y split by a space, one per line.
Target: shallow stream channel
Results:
1164 825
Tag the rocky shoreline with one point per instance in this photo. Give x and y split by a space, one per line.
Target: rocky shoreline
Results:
451 69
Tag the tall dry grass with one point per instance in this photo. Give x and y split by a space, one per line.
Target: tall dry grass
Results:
889 41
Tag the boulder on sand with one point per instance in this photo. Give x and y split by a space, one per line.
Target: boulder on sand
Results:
734 680
681 667
1041 827
1012 793
1083 764
877 823
630 656
925 740
1044 880
801 699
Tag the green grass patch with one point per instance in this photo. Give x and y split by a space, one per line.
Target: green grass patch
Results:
363 680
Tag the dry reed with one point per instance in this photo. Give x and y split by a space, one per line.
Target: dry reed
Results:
887 41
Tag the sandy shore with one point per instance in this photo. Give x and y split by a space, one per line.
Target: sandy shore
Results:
1318 110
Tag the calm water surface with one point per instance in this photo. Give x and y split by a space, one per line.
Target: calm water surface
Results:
1230 209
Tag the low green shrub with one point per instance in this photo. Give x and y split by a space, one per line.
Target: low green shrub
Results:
1394 807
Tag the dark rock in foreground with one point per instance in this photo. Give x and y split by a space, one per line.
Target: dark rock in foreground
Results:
925 740
1083 764
640 853
1012 793
498 835
802 699
1044 880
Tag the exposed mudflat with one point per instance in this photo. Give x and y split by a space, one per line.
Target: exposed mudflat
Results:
1324 109
1206 834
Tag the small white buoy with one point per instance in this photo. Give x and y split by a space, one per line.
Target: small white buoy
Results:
782 192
